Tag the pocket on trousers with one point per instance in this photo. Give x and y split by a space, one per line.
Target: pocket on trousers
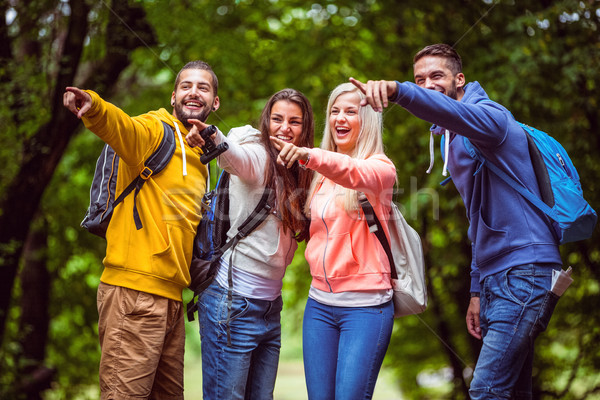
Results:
520 286
102 292
145 304
239 307
213 302
544 315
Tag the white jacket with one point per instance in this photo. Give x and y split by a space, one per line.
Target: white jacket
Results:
268 250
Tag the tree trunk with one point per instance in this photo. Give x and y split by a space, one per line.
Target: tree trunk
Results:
35 377
43 151
41 155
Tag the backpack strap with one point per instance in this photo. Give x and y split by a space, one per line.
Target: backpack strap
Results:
154 164
533 199
377 229
258 215
221 209
192 305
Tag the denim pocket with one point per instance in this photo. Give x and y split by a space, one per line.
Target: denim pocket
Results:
544 315
520 285
239 307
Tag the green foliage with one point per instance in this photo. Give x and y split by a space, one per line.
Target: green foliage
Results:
295 290
10 361
75 266
539 59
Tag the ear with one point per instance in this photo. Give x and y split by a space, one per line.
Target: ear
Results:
216 104
173 99
459 79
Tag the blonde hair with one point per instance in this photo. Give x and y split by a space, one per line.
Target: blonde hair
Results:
368 143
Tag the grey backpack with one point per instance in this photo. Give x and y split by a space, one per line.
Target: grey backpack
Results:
103 198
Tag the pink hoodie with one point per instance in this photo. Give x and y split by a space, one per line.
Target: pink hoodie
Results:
342 253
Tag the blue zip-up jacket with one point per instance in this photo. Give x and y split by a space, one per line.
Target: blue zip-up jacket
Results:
505 229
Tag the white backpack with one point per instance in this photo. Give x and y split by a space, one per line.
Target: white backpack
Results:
406 259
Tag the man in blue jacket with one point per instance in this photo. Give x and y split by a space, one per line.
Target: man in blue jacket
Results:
514 248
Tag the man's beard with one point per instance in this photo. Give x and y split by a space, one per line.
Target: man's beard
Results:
452 92
183 116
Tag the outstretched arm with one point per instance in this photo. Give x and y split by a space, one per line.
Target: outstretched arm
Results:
378 92
288 152
193 137
244 158
373 175
77 101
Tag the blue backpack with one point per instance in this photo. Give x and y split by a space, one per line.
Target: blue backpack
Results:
561 196
211 239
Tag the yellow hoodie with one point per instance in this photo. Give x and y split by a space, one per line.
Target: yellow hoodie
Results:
156 258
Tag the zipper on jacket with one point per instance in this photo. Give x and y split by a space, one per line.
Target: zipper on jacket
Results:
326 241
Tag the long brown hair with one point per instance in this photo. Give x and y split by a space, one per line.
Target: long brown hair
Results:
293 183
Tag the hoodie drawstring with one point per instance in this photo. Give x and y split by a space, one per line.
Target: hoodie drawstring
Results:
445 152
182 148
431 156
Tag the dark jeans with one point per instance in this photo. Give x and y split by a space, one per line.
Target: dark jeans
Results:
515 307
247 369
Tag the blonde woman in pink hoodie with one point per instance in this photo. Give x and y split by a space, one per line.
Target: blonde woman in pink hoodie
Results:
348 318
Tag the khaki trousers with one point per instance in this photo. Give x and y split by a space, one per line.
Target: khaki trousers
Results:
142 339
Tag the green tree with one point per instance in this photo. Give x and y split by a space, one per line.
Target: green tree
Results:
538 58
41 54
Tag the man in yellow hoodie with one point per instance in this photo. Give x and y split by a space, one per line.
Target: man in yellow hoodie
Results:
141 324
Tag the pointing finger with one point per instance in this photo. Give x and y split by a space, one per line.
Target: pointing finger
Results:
358 84
277 143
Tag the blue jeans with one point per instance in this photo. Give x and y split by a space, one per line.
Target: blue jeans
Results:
247 369
515 307
343 349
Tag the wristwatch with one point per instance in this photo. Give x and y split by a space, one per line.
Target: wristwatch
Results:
303 163
474 294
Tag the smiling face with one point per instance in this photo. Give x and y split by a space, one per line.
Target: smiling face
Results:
286 121
194 96
432 72
344 121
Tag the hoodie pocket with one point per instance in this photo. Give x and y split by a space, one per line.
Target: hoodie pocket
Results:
340 259
489 242
172 263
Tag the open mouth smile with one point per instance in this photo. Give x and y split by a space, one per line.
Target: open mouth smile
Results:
194 104
342 131
285 138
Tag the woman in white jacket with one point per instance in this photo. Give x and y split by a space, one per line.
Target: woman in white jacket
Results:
247 368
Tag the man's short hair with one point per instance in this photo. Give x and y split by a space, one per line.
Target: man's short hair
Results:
453 60
203 66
